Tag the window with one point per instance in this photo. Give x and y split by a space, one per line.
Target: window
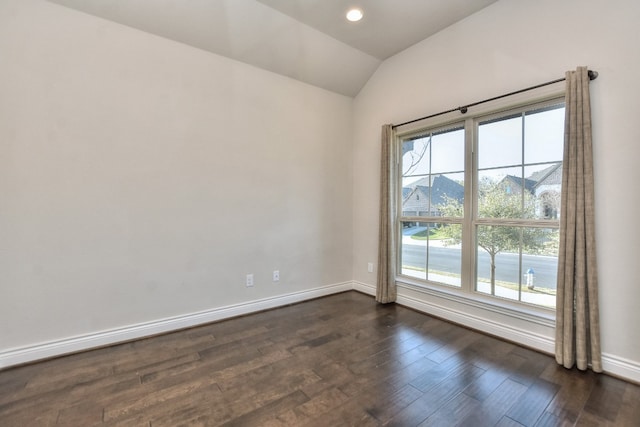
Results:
432 165
484 221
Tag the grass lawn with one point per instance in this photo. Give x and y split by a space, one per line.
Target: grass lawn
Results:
434 234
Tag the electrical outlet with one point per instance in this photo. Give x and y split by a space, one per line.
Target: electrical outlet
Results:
249 280
276 275
370 267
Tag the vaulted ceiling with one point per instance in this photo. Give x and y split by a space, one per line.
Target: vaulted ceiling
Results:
308 40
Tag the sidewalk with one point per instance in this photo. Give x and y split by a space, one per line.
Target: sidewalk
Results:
531 297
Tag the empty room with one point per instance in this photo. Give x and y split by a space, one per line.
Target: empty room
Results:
319 213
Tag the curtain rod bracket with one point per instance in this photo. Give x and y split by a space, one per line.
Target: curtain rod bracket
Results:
592 74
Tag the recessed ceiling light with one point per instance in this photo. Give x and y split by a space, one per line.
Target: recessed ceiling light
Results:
354 15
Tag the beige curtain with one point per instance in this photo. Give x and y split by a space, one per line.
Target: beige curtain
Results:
577 322
386 285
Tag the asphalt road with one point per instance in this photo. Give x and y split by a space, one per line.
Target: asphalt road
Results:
507 264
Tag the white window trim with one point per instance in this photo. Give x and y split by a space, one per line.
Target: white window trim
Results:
466 295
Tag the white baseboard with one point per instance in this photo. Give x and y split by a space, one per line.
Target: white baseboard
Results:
526 338
612 365
621 368
364 288
498 329
46 350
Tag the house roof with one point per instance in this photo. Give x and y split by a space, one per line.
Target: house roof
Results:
439 187
548 176
529 184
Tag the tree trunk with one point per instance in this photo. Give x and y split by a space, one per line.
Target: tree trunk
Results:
493 273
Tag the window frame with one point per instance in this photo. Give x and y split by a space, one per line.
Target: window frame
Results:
466 293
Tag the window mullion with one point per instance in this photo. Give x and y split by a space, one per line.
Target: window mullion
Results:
468 240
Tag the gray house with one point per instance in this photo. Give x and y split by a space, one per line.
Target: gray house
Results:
423 197
547 191
545 185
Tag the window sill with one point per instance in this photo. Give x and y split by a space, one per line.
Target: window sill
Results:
540 316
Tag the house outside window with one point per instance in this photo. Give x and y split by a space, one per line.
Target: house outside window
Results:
480 204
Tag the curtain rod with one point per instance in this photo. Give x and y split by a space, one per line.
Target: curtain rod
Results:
592 76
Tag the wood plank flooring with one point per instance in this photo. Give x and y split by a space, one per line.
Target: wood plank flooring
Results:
341 360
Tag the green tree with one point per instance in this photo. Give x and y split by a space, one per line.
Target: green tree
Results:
496 202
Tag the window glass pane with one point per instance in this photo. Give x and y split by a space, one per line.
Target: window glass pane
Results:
445 255
500 143
413 252
415 157
433 174
415 198
547 188
431 251
434 195
447 152
518 263
544 136
502 192
447 195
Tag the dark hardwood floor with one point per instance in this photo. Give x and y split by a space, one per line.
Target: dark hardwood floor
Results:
341 360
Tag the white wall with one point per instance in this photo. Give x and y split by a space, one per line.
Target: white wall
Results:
141 179
510 45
